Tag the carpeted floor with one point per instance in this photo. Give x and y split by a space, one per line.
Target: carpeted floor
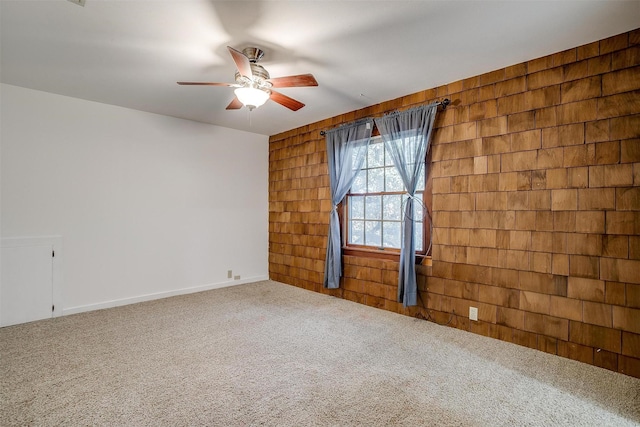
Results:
272 354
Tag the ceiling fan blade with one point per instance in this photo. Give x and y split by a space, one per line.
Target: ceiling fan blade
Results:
300 80
208 84
242 62
235 104
285 101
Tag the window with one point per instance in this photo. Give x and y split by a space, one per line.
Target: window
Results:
375 205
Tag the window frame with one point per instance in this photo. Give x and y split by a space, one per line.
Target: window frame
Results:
388 253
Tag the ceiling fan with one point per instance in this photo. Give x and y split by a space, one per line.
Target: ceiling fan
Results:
254 85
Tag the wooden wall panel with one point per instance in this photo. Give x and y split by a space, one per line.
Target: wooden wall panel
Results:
536 207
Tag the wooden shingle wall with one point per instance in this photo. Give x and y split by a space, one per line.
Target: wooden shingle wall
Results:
536 207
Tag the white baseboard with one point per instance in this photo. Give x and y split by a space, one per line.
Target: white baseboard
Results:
159 295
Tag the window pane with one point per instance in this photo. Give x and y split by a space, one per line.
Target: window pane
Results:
420 186
356 205
354 157
392 207
418 229
418 209
393 182
388 160
373 236
376 155
356 232
376 180
391 235
360 183
373 207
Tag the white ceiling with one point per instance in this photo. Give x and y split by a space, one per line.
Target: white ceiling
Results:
131 53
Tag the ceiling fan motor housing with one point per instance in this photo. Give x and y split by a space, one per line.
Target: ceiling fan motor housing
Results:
254 54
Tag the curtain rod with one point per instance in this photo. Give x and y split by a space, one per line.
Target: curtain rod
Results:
442 103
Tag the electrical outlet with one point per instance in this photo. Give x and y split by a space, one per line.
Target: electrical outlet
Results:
229 274
236 277
473 313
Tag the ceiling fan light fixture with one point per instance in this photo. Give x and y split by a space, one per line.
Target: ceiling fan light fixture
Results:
251 97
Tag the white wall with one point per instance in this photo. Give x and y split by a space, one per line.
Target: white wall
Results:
147 205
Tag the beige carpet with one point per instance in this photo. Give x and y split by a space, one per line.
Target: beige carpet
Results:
271 354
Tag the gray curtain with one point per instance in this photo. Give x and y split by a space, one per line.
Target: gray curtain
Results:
406 136
346 149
